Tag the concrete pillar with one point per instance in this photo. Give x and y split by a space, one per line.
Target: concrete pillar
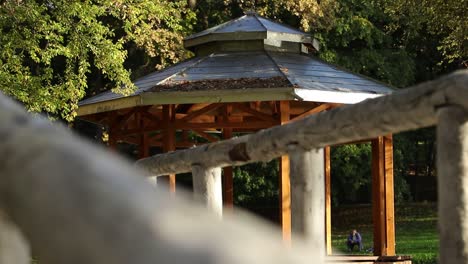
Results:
207 187
308 197
13 246
452 173
153 181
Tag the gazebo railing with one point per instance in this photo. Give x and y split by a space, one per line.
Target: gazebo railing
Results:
75 203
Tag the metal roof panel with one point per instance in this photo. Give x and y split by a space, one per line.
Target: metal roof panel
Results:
308 72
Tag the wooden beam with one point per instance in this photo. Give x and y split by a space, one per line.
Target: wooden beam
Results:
284 184
206 136
328 230
200 112
314 110
378 198
250 125
112 136
121 120
143 148
151 117
169 138
253 112
228 184
223 124
389 196
383 196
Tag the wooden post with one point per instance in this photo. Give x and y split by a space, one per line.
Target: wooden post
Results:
169 138
452 178
308 198
284 184
228 185
383 196
112 141
207 187
328 239
143 147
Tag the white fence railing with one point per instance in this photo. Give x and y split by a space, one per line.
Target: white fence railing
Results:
75 203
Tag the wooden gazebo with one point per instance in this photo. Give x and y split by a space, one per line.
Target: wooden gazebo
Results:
248 74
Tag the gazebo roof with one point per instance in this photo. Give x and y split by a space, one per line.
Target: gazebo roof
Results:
267 68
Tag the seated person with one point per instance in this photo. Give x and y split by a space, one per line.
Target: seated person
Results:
354 238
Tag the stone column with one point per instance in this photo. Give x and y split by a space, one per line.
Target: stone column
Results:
207 187
308 197
452 173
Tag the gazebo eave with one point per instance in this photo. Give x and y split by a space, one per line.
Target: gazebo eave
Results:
190 97
225 96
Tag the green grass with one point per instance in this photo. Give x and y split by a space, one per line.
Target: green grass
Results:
416 230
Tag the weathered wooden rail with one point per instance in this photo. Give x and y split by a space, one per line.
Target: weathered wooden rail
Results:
75 203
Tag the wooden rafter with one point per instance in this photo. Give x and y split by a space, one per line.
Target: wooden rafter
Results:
200 112
120 121
314 110
223 124
151 117
253 112
205 135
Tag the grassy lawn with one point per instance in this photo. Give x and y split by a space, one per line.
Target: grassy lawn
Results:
416 230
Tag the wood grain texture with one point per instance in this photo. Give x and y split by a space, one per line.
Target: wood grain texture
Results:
328 227
383 196
285 182
169 143
228 180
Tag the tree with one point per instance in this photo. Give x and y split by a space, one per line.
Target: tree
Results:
52 50
306 14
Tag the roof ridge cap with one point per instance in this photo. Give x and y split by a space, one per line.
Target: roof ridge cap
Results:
258 20
184 69
215 28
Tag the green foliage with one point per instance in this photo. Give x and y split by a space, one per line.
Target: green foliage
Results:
256 184
49 49
351 173
360 42
352 177
446 20
306 14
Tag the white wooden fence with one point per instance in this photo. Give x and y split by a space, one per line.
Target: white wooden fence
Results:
75 203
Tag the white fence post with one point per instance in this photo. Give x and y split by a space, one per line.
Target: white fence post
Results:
308 197
452 166
207 187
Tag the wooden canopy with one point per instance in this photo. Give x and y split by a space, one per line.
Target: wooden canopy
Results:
248 74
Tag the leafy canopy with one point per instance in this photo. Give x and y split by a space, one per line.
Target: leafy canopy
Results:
49 49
